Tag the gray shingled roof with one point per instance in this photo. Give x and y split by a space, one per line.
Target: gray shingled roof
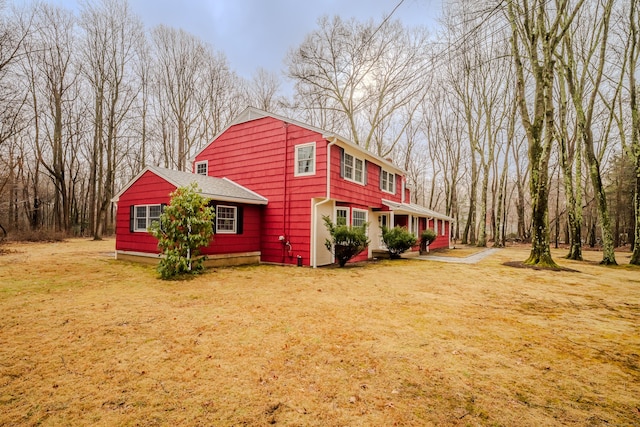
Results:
413 209
221 189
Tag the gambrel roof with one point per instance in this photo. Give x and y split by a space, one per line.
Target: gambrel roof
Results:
221 189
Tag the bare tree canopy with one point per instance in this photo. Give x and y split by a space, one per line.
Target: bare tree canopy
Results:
357 78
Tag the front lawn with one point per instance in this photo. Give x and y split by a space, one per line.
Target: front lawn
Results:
87 340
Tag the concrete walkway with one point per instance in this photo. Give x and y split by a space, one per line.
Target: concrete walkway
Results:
471 259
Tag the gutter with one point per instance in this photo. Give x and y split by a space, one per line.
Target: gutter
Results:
314 219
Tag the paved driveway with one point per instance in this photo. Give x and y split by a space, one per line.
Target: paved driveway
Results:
471 259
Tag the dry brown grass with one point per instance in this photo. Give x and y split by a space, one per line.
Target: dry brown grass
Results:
87 340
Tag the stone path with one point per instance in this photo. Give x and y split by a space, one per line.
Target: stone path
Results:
471 259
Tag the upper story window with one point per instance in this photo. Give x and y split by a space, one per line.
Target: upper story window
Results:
226 219
202 168
143 216
387 181
305 159
353 168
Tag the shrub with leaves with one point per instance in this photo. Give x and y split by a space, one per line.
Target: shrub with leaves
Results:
185 227
398 240
426 238
346 242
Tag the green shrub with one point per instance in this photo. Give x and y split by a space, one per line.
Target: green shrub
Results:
185 226
398 240
346 242
426 238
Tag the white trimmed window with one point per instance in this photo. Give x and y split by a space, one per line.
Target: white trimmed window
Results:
353 168
226 219
202 168
305 159
387 181
358 217
342 216
144 216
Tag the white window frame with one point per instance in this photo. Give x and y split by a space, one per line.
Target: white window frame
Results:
234 219
356 210
148 220
346 217
298 159
351 170
206 167
388 181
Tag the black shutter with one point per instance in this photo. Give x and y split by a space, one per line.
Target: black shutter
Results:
341 162
215 214
132 210
381 172
364 172
239 219
162 206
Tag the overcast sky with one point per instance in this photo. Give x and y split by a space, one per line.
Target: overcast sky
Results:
259 33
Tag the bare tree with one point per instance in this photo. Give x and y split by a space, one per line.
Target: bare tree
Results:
366 73
590 74
110 34
264 89
55 42
180 58
536 35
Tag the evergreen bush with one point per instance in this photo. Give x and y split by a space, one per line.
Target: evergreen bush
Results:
185 226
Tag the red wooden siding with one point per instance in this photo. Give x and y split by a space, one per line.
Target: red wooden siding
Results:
369 195
260 155
151 189
441 241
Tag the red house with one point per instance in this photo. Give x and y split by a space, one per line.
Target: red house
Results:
283 176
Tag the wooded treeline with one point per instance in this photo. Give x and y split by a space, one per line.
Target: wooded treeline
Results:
519 118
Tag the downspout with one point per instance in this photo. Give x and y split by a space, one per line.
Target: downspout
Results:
314 233
284 195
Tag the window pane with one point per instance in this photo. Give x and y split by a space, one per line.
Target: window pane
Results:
305 157
348 166
141 223
201 168
155 211
359 218
341 217
304 166
359 169
226 219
